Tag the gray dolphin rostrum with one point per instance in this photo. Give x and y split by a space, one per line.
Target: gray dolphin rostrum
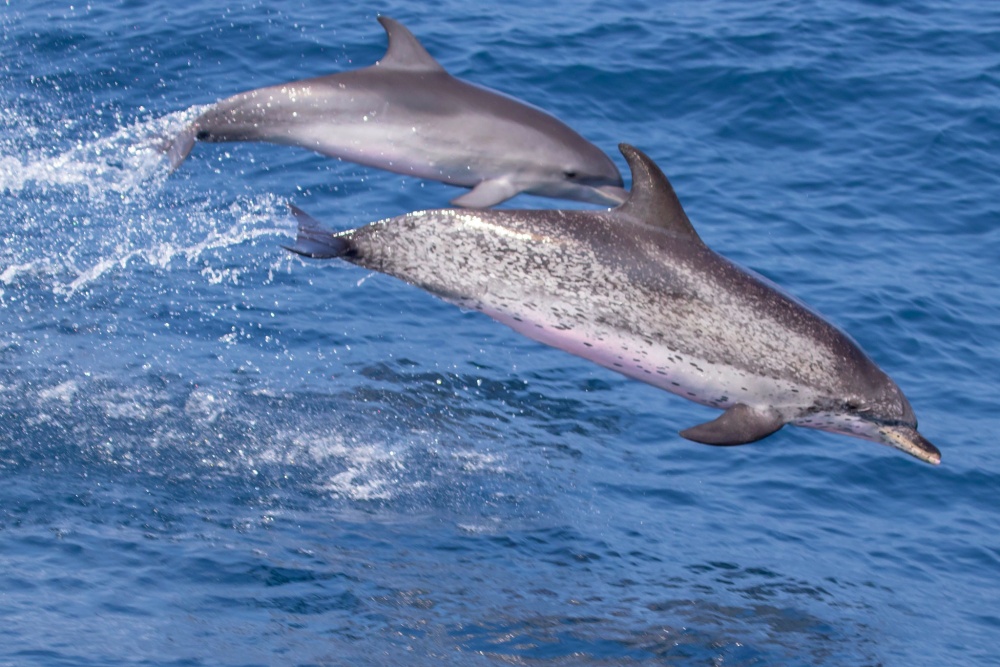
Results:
407 115
636 290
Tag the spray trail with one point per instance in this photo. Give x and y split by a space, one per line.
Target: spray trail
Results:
105 204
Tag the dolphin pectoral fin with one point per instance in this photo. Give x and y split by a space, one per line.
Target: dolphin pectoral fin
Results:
738 425
487 193
314 240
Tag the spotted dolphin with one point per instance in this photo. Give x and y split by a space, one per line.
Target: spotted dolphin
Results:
636 290
407 115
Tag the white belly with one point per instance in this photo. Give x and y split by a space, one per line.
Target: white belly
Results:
712 384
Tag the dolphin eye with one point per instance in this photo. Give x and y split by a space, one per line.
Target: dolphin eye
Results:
569 174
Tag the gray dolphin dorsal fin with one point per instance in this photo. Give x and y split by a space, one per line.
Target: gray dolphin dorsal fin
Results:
738 425
405 52
652 199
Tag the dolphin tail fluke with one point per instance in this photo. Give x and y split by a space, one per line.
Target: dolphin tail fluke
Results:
314 240
178 147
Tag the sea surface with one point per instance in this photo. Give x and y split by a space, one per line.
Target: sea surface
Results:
215 453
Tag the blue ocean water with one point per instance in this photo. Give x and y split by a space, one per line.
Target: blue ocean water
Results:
213 453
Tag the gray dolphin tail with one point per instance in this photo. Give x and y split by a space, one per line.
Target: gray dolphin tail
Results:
314 240
178 147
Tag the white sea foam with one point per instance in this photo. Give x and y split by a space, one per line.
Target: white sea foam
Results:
374 468
205 406
138 403
369 470
63 392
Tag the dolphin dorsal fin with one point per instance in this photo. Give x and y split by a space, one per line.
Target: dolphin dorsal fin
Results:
652 200
405 52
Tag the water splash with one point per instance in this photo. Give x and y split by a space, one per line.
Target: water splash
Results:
106 203
64 271
127 164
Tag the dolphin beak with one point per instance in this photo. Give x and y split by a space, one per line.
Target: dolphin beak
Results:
911 442
610 194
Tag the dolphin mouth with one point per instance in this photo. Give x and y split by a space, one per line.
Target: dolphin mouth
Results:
610 194
910 441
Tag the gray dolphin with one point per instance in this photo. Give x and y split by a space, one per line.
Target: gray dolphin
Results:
636 290
407 115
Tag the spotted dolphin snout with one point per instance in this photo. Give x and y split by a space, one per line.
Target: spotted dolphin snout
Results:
407 115
636 290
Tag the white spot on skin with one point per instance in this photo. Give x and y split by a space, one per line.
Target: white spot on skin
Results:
478 223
